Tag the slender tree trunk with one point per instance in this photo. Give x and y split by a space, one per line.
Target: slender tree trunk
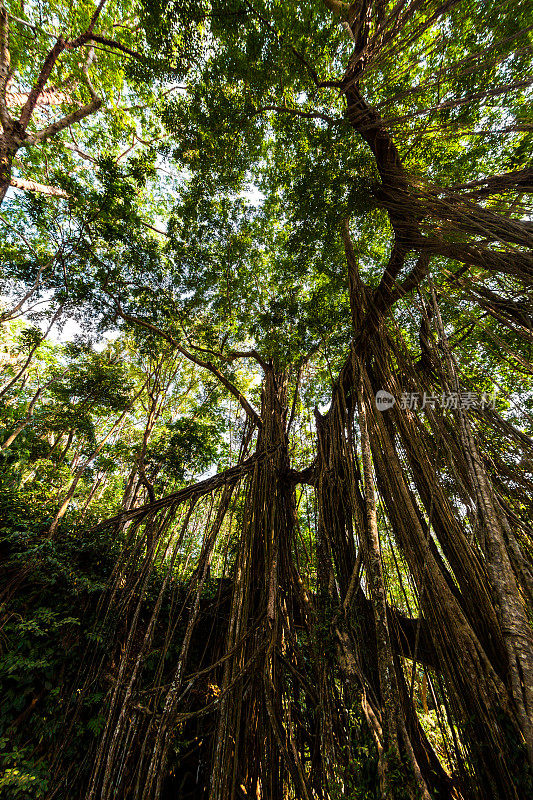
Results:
90 497
32 352
77 477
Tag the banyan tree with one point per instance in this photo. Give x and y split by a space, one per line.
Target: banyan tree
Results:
279 628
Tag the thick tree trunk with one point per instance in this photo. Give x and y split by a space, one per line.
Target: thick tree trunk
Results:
476 687
251 740
346 506
8 150
511 609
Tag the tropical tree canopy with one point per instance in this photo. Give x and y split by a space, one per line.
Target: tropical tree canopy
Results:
266 400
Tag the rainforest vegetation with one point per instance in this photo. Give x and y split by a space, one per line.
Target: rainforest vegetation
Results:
266 400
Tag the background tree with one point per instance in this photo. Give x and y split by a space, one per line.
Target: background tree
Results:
267 564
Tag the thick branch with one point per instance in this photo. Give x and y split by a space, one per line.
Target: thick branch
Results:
40 83
46 70
394 192
41 188
65 122
49 97
196 490
519 181
473 218
413 279
519 264
388 291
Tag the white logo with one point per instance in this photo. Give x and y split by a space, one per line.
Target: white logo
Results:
384 400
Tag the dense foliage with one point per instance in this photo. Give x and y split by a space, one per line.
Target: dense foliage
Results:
227 570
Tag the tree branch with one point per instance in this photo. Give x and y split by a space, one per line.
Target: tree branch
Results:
297 113
411 281
63 123
84 37
231 355
46 70
5 315
117 46
515 262
199 362
519 181
41 188
40 83
196 490
49 97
